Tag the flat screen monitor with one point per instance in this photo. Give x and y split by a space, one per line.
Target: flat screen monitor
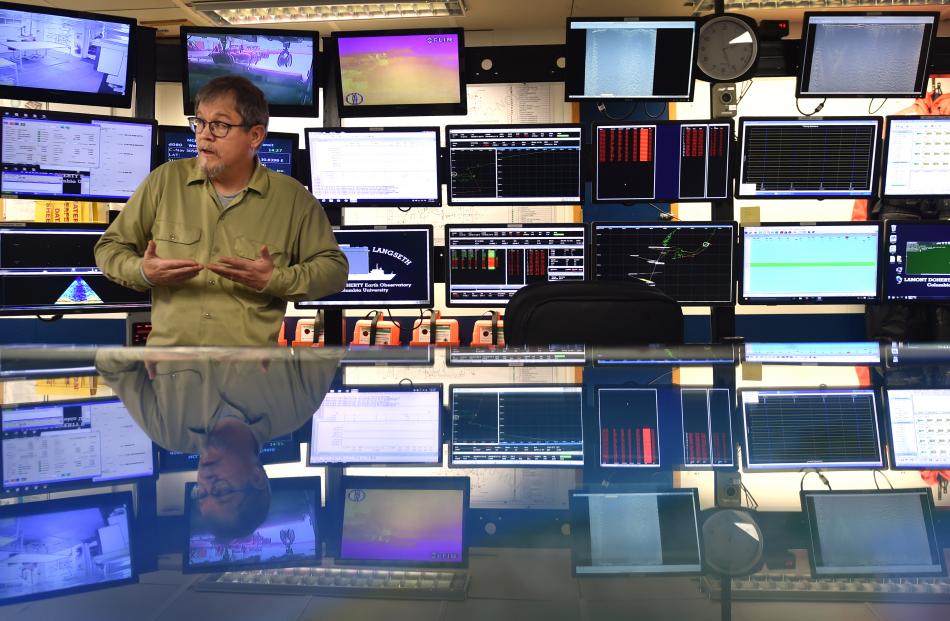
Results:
282 450
278 151
628 422
52 269
620 533
919 423
404 521
602 51
65 546
59 445
523 355
514 164
662 161
69 57
836 46
917 261
375 166
793 429
488 263
808 158
917 354
418 72
516 426
390 267
692 263
282 63
287 536
824 263
65 156
916 157
378 425
872 533
707 428
846 353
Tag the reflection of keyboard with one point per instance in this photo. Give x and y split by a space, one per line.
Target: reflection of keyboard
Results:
340 582
782 587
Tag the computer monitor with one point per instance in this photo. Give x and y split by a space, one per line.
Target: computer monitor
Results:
282 63
64 546
51 268
416 72
378 425
601 52
375 166
916 157
488 263
617 533
404 521
662 161
278 151
904 354
916 262
61 155
809 428
516 426
808 158
282 450
919 433
63 56
522 355
514 164
827 263
288 536
836 46
707 428
692 263
846 353
872 533
628 421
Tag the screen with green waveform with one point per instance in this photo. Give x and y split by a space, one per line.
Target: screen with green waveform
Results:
928 258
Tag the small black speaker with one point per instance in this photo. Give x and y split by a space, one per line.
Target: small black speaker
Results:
728 489
724 98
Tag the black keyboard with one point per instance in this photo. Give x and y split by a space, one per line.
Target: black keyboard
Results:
797 587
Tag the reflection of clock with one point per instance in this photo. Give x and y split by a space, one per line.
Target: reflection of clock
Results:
733 542
728 48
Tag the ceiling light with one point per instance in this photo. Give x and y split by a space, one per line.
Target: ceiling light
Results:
236 12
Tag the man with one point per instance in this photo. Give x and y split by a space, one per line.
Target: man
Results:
222 241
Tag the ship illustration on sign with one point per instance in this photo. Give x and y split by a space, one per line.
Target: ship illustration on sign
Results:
78 292
358 256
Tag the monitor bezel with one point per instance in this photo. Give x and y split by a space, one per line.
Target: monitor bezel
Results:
824 120
576 70
885 153
813 300
163 131
883 261
889 427
808 45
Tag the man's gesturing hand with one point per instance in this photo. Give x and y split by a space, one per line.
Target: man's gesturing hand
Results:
161 271
254 274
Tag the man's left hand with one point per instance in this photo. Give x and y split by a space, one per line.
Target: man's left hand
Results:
253 274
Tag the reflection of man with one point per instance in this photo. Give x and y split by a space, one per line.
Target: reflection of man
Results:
224 408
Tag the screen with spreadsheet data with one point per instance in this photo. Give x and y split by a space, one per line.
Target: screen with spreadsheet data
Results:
917 157
278 152
919 423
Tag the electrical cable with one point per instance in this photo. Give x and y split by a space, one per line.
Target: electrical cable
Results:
813 112
871 101
646 111
602 108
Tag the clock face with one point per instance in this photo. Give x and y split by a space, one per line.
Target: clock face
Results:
728 48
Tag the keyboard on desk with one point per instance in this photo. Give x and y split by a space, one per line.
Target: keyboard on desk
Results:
342 582
791 587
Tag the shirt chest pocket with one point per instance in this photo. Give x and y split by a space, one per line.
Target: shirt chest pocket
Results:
176 241
250 249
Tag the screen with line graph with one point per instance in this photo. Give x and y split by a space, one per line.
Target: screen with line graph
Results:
691 263
791 429
628 427
820 158
707 427
917 266
516 426
514 165
810 264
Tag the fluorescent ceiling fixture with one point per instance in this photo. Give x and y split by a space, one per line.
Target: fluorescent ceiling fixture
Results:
285 11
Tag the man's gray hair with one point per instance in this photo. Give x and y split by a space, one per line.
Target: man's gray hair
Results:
248 99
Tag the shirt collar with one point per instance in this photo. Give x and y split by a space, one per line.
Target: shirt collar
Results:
259 181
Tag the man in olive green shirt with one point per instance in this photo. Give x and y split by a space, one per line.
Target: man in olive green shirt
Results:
223 242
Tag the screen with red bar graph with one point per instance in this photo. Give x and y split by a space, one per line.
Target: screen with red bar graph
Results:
707 427
628 426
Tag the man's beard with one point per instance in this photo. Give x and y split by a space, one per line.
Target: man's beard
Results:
212 172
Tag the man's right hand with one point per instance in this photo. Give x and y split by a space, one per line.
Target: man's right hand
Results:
161 271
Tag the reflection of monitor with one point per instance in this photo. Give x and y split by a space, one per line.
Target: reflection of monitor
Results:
72 444
601 52
278 151
69 57
378 425
282 63
288 536
388 355
282 450
792 429
707 427
802 158
662 160
823 263
516 426
916 157
61 155
628 427
631 532
872 533
836 46
691 263
812 353
525 355
49 268
68 545
679 355
514 164
488 263
375 166
389 267
916 263
920 433
399 521
401 72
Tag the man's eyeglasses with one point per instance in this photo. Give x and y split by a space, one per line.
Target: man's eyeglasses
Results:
219 129
219 489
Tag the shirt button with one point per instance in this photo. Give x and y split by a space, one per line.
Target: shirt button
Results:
210 282
207 315
172 237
